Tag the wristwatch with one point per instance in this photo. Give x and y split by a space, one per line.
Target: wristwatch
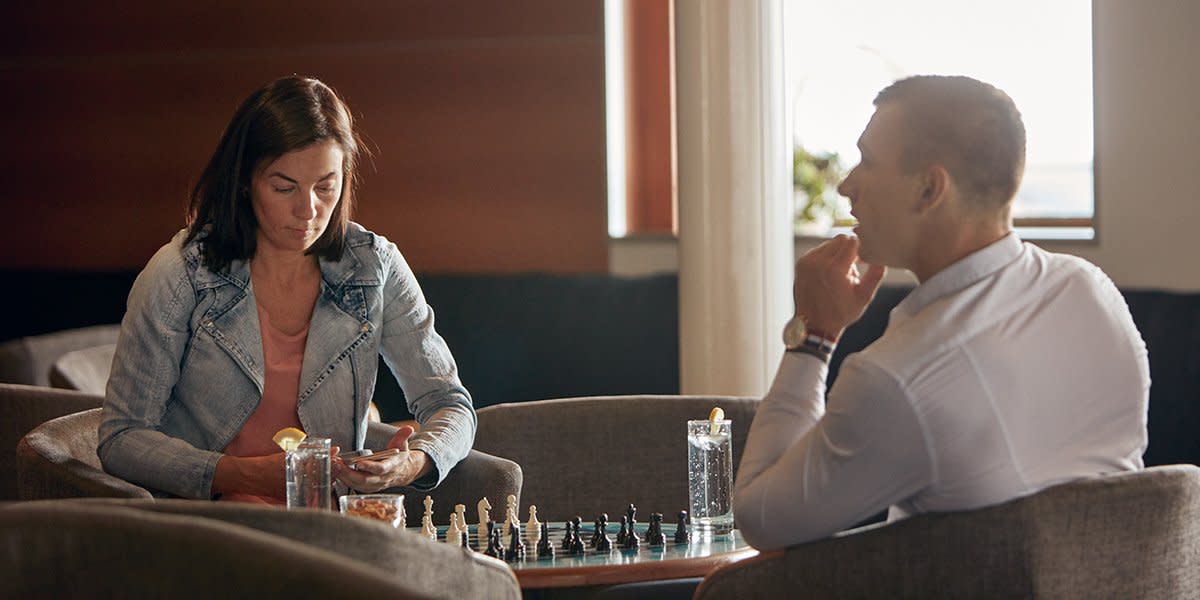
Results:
797 337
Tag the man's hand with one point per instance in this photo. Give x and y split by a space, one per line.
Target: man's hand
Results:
828 290
371 475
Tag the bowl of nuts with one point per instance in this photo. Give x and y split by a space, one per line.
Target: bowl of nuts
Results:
388 508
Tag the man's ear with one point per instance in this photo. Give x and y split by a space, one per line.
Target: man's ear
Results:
934 183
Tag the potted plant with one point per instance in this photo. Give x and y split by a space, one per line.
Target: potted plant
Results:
815 176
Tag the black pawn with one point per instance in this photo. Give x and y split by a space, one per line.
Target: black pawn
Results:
466 541
569 537
494 549
576 540
516 548
604 543
655 535
624 533
681 529
632 540
544 548
599 530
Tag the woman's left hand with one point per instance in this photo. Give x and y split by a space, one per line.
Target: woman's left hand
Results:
370 476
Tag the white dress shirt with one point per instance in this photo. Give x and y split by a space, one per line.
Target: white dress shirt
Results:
1010 371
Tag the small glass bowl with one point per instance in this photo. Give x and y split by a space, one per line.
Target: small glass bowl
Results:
388 508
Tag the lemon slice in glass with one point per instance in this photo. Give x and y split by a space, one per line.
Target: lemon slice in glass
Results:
288 438
717 414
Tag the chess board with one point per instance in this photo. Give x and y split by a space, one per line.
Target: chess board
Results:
644 563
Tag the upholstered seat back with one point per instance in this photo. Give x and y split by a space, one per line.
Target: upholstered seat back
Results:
85 369
190 548
1128 535
24 407
585 456
58 460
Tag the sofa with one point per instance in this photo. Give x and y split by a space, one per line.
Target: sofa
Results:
521 337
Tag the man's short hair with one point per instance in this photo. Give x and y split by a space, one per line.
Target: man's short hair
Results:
970 127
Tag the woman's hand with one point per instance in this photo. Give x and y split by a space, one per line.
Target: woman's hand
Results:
257 475
373 475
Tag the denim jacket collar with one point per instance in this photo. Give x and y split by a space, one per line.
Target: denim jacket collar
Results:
339 320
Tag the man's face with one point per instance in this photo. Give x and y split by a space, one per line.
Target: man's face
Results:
883 197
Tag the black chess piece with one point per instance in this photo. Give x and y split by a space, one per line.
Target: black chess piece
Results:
632 540
569 536
598 527
621 535
681 529
494 549
544 548
654 535
604 543
576 540
466 541
516 548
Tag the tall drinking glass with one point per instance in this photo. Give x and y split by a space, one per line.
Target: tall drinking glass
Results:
308 482
710 476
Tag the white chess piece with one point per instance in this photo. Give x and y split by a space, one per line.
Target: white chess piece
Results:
481 534
533 528
453 532
427 528
461 511
510 515
429 507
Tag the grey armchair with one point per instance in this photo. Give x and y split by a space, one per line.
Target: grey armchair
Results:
58 460
24 407
1128 535
144 548
85 369
28 360
585 456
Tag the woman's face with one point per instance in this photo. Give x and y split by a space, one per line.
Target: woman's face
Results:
294 196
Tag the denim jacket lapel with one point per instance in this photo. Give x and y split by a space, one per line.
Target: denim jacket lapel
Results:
339 321
233 321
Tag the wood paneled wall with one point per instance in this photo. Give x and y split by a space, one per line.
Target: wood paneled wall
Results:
487 120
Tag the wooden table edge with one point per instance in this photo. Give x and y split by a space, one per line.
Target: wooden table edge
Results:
533 578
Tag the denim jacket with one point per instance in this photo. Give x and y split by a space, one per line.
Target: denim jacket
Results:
188 368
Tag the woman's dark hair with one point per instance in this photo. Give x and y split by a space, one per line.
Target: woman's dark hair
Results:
287 114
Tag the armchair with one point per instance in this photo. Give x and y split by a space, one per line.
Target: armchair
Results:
1126 535
24 407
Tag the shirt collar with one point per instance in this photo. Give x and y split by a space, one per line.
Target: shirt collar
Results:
972 268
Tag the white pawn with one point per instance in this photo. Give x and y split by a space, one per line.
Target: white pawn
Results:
453 532
427 528
533 528
481 534
461 511
510 515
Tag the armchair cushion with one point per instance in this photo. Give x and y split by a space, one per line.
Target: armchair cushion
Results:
1127 535
24 407
58 460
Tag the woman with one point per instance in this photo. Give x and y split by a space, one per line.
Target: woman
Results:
270 310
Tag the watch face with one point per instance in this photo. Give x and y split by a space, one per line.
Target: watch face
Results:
794 333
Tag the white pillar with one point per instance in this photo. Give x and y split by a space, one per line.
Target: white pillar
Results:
735 216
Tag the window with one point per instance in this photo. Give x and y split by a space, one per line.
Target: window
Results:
840 54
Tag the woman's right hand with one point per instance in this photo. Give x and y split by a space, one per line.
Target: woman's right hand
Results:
257 475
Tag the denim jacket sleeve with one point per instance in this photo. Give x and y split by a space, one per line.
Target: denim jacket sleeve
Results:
423 366
155 334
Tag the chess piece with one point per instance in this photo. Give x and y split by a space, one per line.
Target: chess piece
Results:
654 535
603 543
429 507
598 528
481 532
465 538
632 540
461 511
510 514
516 548
681 528
533 528
453 532
624 533
576 541
569 537
427 528
494 548
544 548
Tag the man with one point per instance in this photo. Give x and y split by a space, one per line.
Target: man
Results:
1007 370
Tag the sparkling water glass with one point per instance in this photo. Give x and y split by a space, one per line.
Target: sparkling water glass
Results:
710 476
308 482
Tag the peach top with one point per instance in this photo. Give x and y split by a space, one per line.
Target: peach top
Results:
283 356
